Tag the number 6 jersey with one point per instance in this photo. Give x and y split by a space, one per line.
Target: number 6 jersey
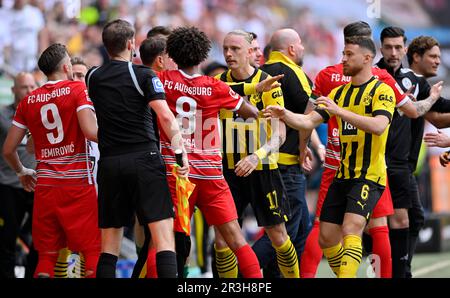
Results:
50 114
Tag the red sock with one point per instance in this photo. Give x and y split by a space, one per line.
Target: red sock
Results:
151 263
91 261
46 264
382 248
248 262
312 254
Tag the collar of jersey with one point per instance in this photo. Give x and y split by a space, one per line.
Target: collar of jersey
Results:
189 76
276 56
52 82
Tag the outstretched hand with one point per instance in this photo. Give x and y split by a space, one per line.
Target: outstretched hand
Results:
438 139
324 103
274 112
268 84
435 91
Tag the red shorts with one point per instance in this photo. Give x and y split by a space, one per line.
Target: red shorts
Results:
65 216
212 197
384 207
327 178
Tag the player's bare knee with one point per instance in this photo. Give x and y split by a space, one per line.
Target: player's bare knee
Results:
277 234
400 219
352 228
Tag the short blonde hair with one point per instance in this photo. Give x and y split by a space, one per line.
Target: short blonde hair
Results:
247 36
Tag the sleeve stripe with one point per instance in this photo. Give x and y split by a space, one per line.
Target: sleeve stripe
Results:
85 107
323 114
384 113
19 125
239 104
403 102
133 77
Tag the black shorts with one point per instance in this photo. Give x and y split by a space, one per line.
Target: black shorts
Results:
264 191
400 186
133 183
356 196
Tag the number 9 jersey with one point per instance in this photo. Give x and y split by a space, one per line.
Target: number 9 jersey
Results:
50 114
196 101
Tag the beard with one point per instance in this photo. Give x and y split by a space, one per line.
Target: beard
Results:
351 71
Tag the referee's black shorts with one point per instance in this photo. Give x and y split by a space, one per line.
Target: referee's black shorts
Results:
264 191
400 186
133 183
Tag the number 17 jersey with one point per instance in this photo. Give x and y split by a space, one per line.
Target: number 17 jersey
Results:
50 114
196 101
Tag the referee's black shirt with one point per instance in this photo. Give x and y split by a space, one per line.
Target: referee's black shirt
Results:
123 115
405 134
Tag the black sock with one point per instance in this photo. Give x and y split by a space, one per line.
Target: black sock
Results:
411 249
166 264
183 249
106 267
399 247
367 243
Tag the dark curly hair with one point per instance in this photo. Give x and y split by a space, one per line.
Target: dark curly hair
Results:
188 46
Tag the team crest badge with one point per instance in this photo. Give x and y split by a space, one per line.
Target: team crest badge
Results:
367 99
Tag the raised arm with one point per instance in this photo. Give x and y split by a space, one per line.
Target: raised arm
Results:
414 109
251 88
296 121
374 125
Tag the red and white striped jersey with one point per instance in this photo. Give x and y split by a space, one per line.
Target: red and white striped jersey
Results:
50 114
196 101
332 77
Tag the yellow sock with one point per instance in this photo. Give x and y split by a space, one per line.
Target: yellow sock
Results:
352 256
226 263
334 256
287 259
62 263
82 266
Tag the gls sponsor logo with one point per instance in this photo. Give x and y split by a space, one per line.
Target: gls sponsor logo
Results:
277 93
386 97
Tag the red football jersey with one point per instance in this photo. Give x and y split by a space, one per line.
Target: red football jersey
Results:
195 101
332 77
50 114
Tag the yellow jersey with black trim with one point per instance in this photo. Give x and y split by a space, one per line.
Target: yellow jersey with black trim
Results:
363 153
241 137
296 87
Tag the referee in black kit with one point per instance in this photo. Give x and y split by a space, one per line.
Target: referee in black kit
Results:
131 173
